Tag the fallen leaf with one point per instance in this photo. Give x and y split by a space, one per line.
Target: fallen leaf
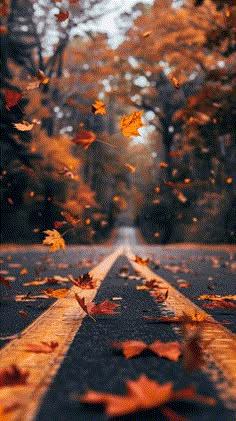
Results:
13 376
220 304
54 240
98 107
84 281
143 394
169 350
23 271
146 34
105 307
217 297
140 261
84 138
23 314
131 124
42 347
5 282
56 293
12 98
62 15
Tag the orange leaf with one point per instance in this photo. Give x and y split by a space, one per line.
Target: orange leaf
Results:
81 302
140 261
56 293
42 347
142 394
84 138
147 34
13 376
62 15
175 82
131 348
130 167
98 107
105 307
192 351
131 124
170 350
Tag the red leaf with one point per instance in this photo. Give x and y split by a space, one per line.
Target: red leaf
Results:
12 98
106 307
81 302
84 281
84 138
62 16
220 304
13 376
23 314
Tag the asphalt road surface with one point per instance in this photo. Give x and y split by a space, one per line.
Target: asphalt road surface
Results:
85 358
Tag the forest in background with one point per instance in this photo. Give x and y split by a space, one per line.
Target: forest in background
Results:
67 165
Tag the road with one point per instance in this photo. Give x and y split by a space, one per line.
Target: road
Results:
85 358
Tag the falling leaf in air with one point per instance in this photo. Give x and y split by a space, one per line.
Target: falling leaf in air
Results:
70 219
131 124
13 376
5 282
12 98
84 138
54 240
146 34
23 271
81 302
130 167
25 126
42 347
140 261
84 281
160 297
98 107
169 350
62 15
23 314
175 82
56 293
163 165
143 394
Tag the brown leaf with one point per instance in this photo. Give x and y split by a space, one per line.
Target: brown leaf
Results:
105 307
54 240
192 350
217 297
42 347
98 107
142 394
130 167
56 293
4 282
12 98
84 281
130 348
84 138
23 314
13 376
131 124
81 302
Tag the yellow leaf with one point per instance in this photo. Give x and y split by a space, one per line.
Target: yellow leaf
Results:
56 293
98 107
25 126
130 124
54 240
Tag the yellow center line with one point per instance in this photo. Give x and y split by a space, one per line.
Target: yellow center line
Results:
221 347
59 323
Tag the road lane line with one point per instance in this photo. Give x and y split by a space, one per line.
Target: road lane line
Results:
221 350
59 323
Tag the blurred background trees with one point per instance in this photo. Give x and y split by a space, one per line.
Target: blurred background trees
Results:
177 180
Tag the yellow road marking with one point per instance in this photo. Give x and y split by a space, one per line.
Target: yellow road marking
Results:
59 323
222 347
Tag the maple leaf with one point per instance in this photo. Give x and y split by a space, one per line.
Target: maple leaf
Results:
56 293
12 98
105 307
130 167
143 394
84 281
23 271
84 138
131 124
54 240
5 282
81 302
98 107
170 350
13 376
62 15
141 261
42 347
